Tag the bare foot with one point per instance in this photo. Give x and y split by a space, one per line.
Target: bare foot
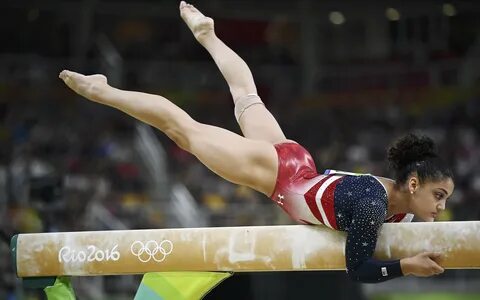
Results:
200 25
86 86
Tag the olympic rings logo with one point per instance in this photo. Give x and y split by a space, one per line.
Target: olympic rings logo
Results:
151 250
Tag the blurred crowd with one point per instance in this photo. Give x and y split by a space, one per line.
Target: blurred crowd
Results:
59 155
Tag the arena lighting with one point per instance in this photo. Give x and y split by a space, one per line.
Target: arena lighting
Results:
336 17
392 14
449 10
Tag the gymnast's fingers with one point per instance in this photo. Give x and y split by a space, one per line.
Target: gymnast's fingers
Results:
436 268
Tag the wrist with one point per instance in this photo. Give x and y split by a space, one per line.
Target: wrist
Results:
405 265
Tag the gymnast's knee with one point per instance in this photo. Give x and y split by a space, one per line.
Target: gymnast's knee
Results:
183 134
242 103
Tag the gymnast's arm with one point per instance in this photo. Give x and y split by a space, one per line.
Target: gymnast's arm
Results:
361 241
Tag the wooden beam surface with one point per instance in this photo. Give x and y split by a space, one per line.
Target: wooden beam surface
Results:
238 249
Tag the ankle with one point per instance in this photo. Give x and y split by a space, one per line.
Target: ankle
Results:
97 91
207 37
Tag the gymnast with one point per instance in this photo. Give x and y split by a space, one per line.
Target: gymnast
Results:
266 161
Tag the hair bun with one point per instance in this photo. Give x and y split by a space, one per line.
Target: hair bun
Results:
409 149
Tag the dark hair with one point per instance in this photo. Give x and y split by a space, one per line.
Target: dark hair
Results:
412 153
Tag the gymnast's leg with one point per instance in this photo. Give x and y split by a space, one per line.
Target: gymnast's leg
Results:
242 161
255 121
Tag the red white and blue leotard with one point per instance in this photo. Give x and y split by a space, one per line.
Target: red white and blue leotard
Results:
354 203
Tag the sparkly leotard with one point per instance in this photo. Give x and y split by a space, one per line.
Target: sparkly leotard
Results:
354 203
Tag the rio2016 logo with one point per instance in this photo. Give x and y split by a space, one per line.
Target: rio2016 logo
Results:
151 250
67 254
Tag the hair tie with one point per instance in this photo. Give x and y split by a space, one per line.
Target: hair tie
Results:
420 163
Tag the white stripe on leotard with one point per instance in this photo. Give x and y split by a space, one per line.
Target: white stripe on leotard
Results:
318 198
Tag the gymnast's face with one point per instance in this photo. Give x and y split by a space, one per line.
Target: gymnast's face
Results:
429 198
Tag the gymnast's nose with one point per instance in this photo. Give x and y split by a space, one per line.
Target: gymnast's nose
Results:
441 206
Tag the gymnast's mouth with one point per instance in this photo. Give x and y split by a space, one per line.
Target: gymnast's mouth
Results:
434 215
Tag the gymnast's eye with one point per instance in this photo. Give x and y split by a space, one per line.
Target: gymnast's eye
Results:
439 196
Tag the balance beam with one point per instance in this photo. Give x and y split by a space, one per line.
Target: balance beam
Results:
238 249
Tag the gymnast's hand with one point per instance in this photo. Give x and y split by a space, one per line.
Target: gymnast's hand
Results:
89 87
423 264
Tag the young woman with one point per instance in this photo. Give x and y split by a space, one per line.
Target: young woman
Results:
265 160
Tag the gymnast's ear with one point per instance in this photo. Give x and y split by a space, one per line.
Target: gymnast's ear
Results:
413 183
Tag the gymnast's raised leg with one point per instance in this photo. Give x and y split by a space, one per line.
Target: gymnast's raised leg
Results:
243 161
255 121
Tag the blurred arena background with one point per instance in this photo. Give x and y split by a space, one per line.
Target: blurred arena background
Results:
344 78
